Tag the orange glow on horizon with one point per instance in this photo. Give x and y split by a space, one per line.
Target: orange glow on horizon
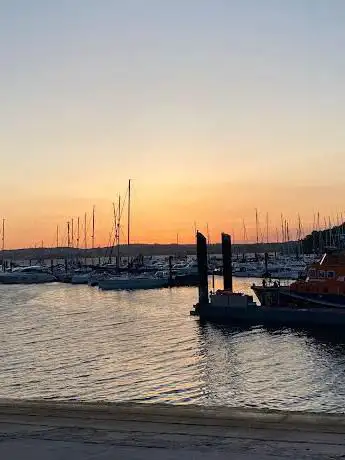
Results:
159 214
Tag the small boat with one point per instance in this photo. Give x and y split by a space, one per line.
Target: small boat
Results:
247 271
27 275
185 274
81 276
95 277
133 282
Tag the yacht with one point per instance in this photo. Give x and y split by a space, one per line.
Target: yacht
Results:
130 282
81 276
27 275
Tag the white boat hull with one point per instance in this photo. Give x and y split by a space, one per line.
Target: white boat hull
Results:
80 279
130 284
26 278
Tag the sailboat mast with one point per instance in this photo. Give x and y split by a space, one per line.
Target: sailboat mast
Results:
287 231
208 235
93 227
68 236
129 218
299 236
85 236
314 234
286 237
85 241
78 232
282 226
72 232
267 227
118 232
257 225
57 236
114 240
129 213
325 232
3 243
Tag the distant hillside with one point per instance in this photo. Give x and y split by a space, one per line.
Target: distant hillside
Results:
317 241
140 249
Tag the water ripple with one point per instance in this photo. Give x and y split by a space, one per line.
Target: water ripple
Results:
75 342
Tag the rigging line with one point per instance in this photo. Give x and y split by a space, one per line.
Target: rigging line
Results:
124 203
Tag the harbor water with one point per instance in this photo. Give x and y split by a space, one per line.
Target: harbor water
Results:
66 342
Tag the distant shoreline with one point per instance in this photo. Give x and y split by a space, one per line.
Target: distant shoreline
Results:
140 249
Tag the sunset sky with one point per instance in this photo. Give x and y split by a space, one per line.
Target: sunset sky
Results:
212 107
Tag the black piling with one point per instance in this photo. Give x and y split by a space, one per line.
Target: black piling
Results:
227 262
201 251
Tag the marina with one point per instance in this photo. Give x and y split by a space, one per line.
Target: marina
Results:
112 333
172 230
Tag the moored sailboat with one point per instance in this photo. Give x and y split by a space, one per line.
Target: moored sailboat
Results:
27 275
129 282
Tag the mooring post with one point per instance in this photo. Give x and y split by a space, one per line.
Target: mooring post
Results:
227 262
201 251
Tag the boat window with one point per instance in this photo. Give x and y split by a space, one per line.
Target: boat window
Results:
321 274
330 274
312 273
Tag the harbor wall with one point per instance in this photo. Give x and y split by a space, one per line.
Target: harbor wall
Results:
166 413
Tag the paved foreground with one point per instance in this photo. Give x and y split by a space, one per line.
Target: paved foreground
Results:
51 431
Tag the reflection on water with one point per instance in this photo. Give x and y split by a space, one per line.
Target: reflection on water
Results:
61 341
